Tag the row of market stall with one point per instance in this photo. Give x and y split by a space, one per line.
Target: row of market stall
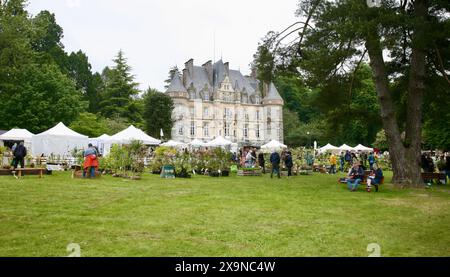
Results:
343 148
61 140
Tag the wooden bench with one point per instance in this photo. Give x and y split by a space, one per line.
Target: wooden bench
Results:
23 171
241 172
433 176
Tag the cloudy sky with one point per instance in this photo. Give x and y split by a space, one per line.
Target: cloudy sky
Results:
158 34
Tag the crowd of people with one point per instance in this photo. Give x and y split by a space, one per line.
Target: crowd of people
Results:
250 158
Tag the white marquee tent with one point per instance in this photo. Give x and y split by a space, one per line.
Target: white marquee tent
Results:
59 140
218 142
273 145
133 133
197 143
362 148
103 143
174 144
345 147
328 148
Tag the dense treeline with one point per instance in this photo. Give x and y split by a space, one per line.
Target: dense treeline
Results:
321 67
41 84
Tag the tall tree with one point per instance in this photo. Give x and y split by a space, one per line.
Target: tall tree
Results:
344 32
34 93
119 90
158 113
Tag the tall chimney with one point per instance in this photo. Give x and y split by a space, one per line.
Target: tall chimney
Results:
185 77
189 65
209 70
227 68
254 73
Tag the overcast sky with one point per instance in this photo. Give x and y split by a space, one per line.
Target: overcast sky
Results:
158 34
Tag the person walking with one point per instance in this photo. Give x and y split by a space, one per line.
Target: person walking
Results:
262 162
20 152
275 161
288 162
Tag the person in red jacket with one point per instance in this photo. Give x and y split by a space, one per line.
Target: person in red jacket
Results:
90 161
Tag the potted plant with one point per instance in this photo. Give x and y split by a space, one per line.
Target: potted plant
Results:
182 163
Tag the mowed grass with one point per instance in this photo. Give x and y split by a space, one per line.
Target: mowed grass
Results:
229 216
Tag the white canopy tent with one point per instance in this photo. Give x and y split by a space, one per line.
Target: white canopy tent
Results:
196 143
362 148
174 144
219 142
59 140
18 135
273 145
133 133
103 143
329 148
345 147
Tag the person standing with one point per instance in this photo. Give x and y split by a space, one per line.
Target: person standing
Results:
371 159
447 167
288 162
333 162
90 161
275 161
348 158
342 160
20 152
254 157
262 162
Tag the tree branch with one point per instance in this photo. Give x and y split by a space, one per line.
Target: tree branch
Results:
354 74
441 64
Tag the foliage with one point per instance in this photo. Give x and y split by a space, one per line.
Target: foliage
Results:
381 141
137 152
182 163
158 113
162 156
90 125
119 90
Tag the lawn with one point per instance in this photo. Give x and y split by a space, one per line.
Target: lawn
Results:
229 216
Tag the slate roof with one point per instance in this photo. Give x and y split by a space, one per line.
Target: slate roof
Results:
273 93
198 79
176 85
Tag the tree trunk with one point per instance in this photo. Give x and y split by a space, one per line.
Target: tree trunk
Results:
416 88
405 170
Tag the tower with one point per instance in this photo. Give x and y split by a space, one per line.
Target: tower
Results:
273 110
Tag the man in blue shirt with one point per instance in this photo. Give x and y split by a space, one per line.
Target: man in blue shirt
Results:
275 161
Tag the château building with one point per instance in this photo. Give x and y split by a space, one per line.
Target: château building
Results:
213 100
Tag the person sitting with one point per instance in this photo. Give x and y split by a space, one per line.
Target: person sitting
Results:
355 177
375 178
90 161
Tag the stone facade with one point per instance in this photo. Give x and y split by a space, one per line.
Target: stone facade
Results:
211 100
